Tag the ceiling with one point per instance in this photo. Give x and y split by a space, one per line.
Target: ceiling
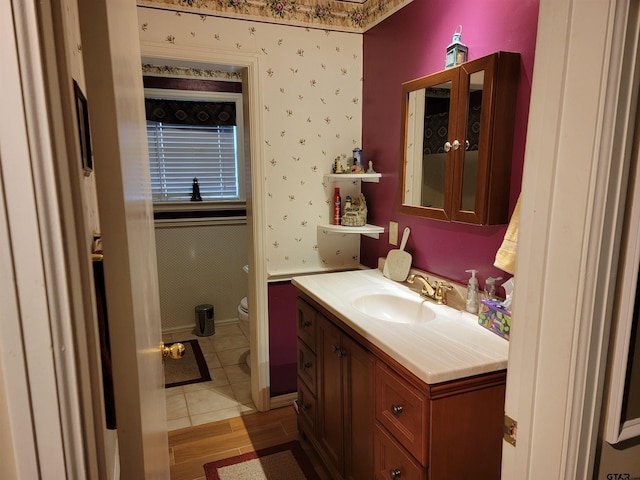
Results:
341 15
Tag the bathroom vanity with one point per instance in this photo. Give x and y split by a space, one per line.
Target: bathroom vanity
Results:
421 399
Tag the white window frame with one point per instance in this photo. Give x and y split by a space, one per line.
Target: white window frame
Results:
193 95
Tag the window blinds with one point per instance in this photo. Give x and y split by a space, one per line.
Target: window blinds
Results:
178 153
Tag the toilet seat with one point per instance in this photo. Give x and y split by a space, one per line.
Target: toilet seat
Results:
244 305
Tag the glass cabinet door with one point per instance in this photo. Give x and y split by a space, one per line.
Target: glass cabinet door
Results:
430 118
473 131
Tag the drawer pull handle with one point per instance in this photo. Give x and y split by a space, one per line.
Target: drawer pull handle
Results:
396 410
339 351
306 407
306 323
394 473
306 365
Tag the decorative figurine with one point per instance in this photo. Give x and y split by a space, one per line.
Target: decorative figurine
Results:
370 169
337 165
357 161
457 51
195 191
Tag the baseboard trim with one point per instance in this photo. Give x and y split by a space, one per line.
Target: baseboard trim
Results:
280 401
181 328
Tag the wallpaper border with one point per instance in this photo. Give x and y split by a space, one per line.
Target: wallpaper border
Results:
329 14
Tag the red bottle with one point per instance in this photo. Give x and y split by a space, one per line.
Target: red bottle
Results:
337 204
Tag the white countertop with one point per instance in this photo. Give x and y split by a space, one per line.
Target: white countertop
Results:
450 347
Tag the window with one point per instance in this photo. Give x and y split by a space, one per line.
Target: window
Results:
186 143
180 153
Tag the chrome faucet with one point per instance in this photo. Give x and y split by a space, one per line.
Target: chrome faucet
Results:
437 295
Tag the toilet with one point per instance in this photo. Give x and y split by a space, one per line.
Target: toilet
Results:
243 317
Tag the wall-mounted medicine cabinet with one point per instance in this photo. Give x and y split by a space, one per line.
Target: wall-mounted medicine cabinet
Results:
457 141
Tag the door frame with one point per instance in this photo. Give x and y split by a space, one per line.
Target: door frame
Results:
50 391
583 103
248 63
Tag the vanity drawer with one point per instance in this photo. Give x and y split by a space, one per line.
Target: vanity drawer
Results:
306 323
307 366
391 461
307 408
403 410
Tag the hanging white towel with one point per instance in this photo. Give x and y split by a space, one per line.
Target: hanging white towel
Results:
506 255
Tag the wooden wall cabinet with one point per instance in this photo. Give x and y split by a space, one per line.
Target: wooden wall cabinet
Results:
457 141
367 416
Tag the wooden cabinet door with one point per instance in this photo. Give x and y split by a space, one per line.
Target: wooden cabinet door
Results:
358 368
484 130
330 395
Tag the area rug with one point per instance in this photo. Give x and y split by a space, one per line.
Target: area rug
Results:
191 368
282 462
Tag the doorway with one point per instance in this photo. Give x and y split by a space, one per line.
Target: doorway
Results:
244 65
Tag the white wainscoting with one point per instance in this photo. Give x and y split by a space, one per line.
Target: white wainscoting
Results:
201 262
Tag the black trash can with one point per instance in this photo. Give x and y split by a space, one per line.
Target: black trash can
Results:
204 320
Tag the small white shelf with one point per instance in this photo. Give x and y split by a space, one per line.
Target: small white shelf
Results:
365 177
372 231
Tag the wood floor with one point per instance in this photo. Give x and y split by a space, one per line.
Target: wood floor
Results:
190 448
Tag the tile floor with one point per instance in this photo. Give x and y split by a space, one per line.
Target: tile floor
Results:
228 394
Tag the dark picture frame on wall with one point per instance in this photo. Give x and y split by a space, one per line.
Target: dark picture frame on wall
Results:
84 131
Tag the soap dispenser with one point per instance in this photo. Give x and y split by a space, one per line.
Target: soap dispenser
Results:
472 292
490 287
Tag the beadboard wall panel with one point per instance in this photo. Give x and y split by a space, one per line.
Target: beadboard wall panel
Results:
200 264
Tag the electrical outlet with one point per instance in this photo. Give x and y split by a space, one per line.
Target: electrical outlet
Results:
393 233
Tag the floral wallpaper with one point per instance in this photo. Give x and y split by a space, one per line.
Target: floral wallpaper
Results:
311 82
347 16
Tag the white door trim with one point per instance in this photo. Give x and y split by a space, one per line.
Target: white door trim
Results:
574 183
40 382
258 293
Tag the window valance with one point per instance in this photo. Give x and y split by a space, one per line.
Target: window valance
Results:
184 112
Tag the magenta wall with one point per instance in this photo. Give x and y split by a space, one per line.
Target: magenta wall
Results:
283 354
411 44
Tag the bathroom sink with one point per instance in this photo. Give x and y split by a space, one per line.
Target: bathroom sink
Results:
395 308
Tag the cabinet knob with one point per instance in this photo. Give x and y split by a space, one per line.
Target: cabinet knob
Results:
396 410
394 473
306 407
448 146
306 365
339 351
306 323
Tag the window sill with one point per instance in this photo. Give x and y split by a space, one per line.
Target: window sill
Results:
161 207
198 213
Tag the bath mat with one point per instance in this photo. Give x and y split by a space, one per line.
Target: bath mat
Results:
191 368
287 461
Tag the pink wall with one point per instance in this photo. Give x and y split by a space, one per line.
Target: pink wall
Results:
411 44
283 353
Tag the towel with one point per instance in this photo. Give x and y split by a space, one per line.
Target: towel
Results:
506 255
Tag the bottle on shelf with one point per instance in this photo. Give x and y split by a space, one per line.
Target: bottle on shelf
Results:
337 207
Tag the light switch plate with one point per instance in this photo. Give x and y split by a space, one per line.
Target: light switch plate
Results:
393 233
